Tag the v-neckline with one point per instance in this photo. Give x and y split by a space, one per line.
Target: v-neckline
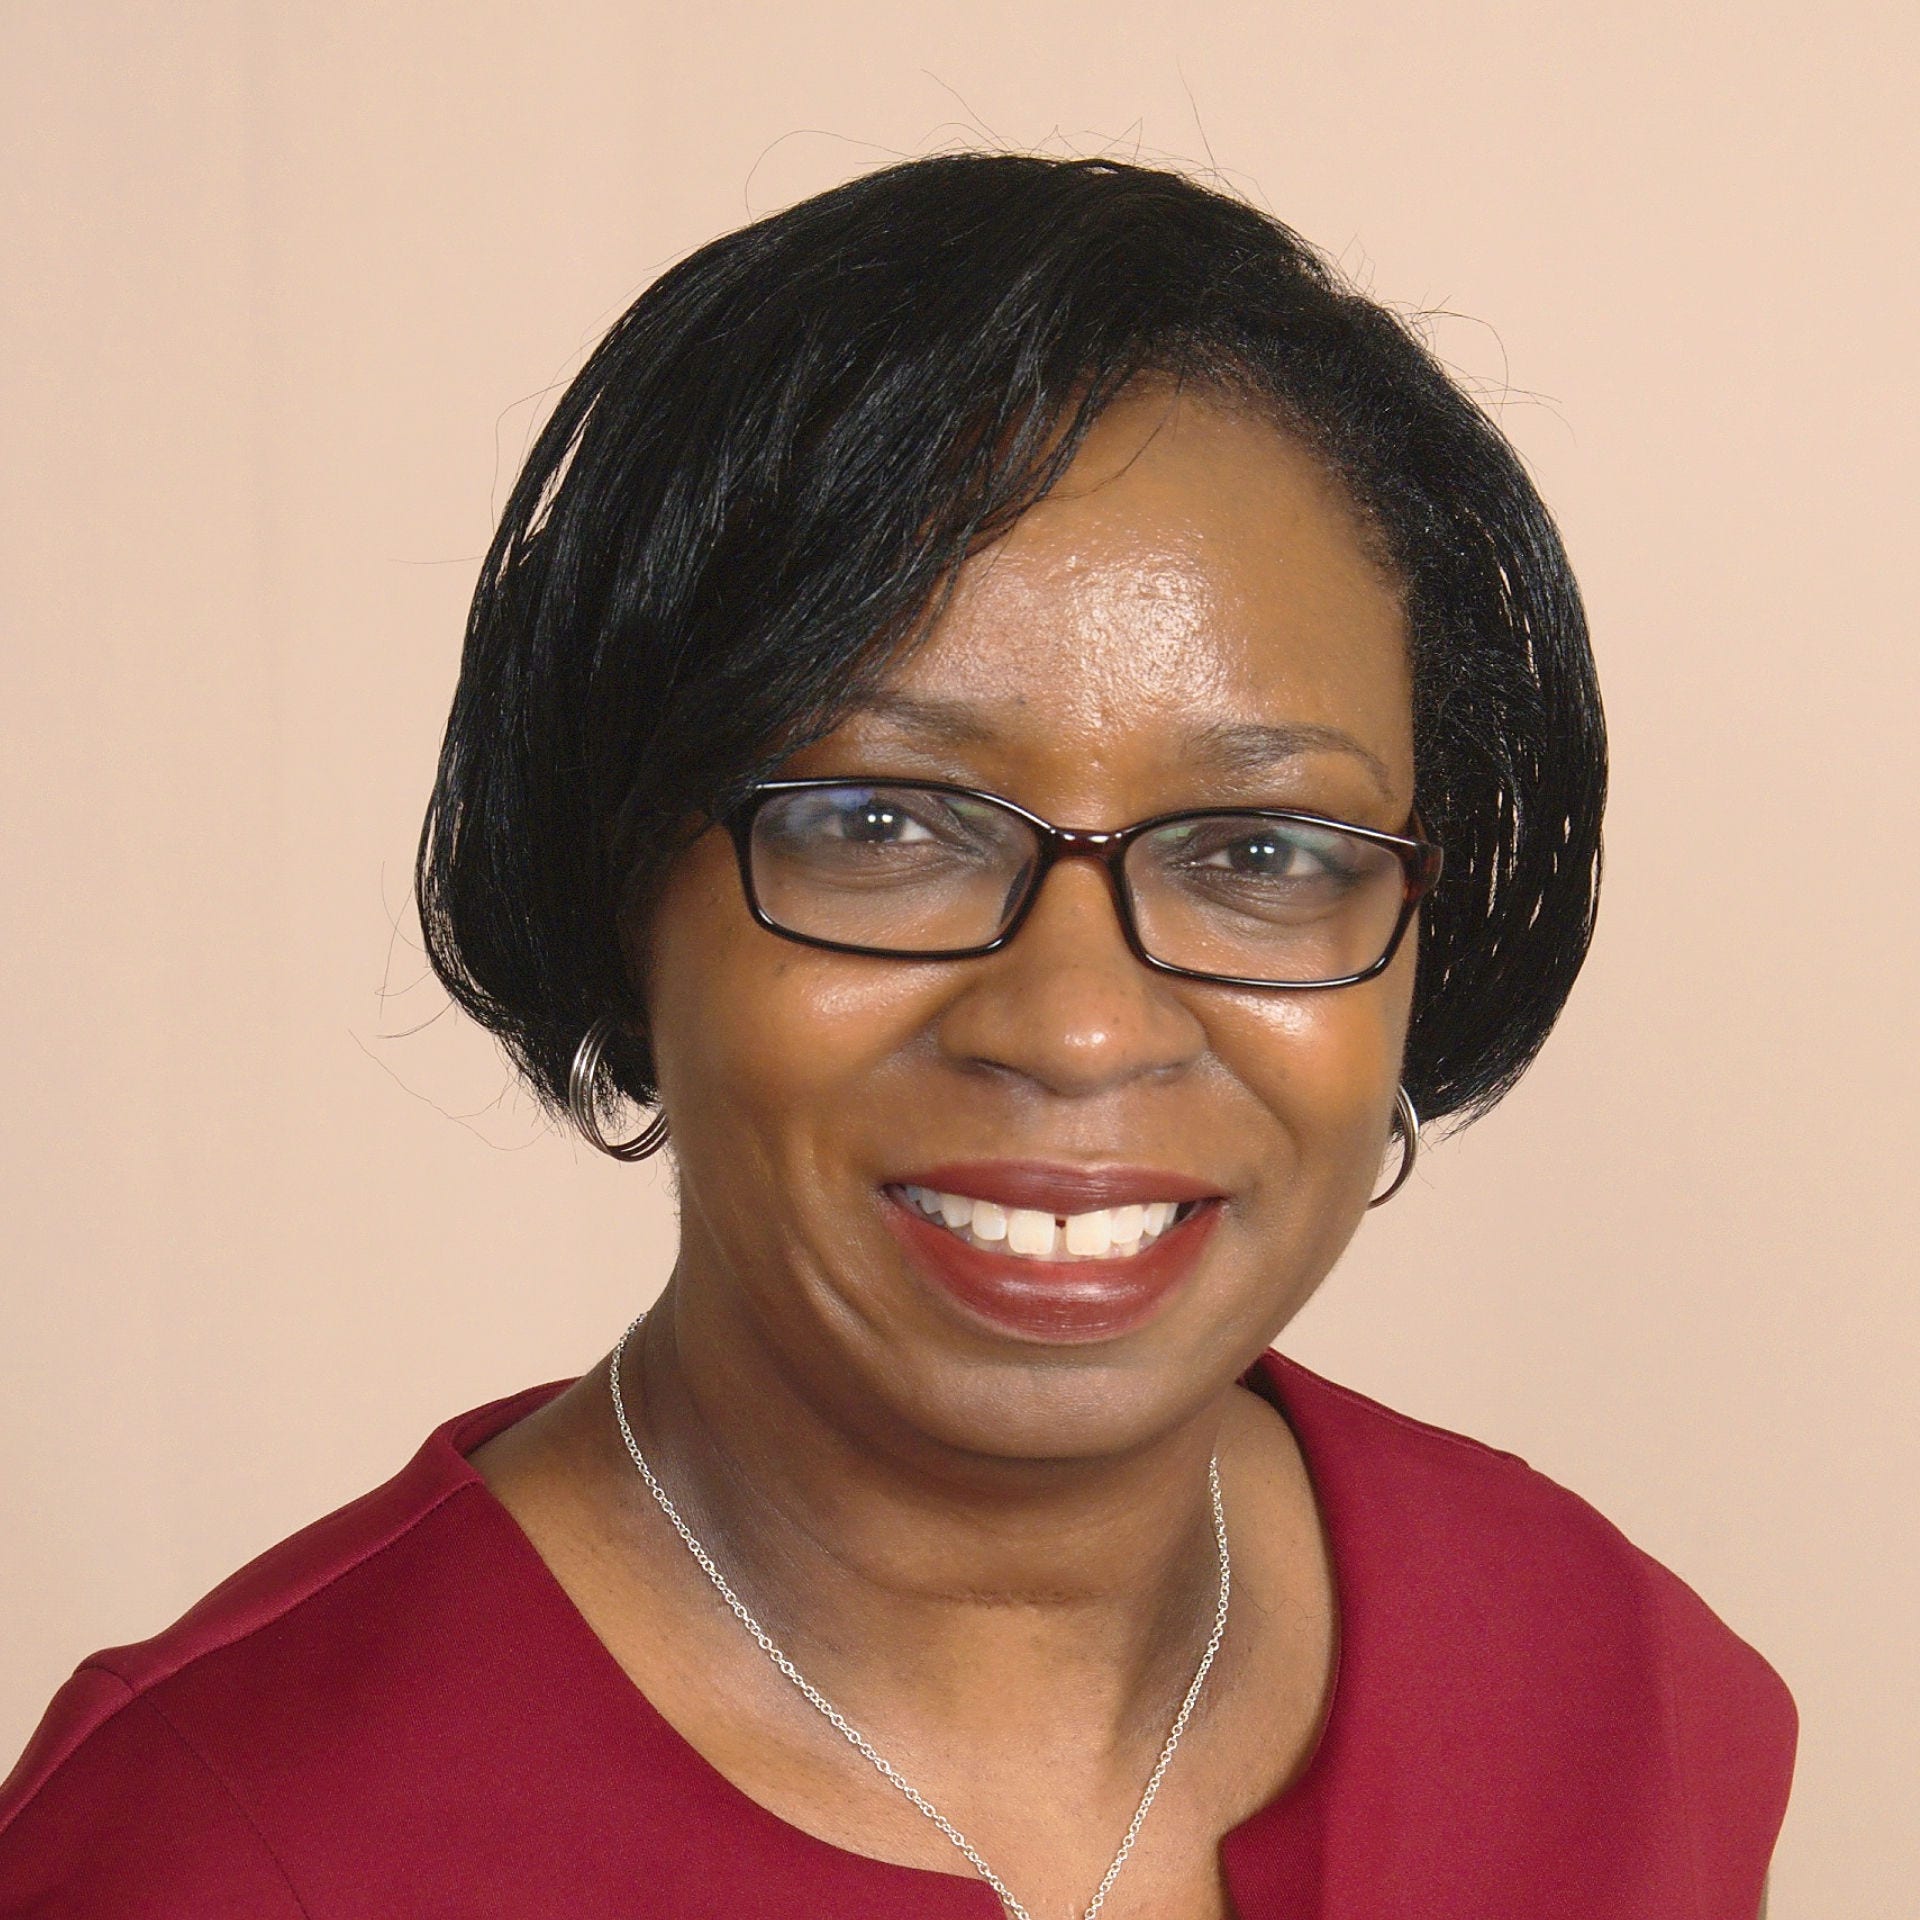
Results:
924 1891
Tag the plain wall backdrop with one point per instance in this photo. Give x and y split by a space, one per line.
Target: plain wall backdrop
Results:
285 289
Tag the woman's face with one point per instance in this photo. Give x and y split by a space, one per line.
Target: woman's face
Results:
1193 618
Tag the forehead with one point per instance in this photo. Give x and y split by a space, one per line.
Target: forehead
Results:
1195 585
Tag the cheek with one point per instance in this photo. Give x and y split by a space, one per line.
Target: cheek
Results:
1324 1065
762 1046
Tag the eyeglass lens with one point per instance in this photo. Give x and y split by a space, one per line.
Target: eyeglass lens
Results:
909 870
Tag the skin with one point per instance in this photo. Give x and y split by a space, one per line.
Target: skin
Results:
993 1554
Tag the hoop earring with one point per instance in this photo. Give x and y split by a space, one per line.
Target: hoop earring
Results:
1407 1124
583 1101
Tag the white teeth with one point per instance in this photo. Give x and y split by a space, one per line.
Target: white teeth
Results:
1030 1232
1090 1233
1100 1233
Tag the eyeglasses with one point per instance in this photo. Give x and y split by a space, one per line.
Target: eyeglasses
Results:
1249 896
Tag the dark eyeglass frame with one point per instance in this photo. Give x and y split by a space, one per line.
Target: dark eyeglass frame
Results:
1420 862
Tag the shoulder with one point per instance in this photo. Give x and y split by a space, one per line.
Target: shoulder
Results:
108 1798
141 1763
1542 1632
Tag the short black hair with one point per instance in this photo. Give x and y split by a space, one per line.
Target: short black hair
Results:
756 489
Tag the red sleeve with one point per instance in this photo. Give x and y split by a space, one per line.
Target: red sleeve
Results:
111 1815
1733 1727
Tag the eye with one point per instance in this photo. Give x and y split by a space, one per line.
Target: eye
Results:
1271 851
875 820
915 823
849 816
1263 856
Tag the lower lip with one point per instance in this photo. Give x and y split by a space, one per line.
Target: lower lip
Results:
1065 1302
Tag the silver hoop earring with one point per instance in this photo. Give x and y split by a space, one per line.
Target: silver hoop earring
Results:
583 1099
1407 1124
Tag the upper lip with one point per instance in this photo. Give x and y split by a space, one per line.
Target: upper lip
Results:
1057 1188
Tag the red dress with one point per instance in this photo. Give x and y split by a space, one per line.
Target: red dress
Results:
397 1714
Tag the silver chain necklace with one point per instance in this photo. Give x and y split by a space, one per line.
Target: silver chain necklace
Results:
859 1742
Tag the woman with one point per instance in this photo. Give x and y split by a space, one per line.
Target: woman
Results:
1042 736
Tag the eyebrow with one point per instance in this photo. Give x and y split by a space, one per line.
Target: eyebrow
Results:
1250 747
948 723
1228 747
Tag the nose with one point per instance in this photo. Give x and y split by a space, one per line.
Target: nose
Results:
1066 1005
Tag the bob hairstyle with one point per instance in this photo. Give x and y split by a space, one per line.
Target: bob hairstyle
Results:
760 486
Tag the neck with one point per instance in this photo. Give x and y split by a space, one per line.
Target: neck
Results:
928 1582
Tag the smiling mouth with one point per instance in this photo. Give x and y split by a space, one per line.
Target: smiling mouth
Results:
1028 1233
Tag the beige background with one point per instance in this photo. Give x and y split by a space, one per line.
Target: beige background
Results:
286 287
